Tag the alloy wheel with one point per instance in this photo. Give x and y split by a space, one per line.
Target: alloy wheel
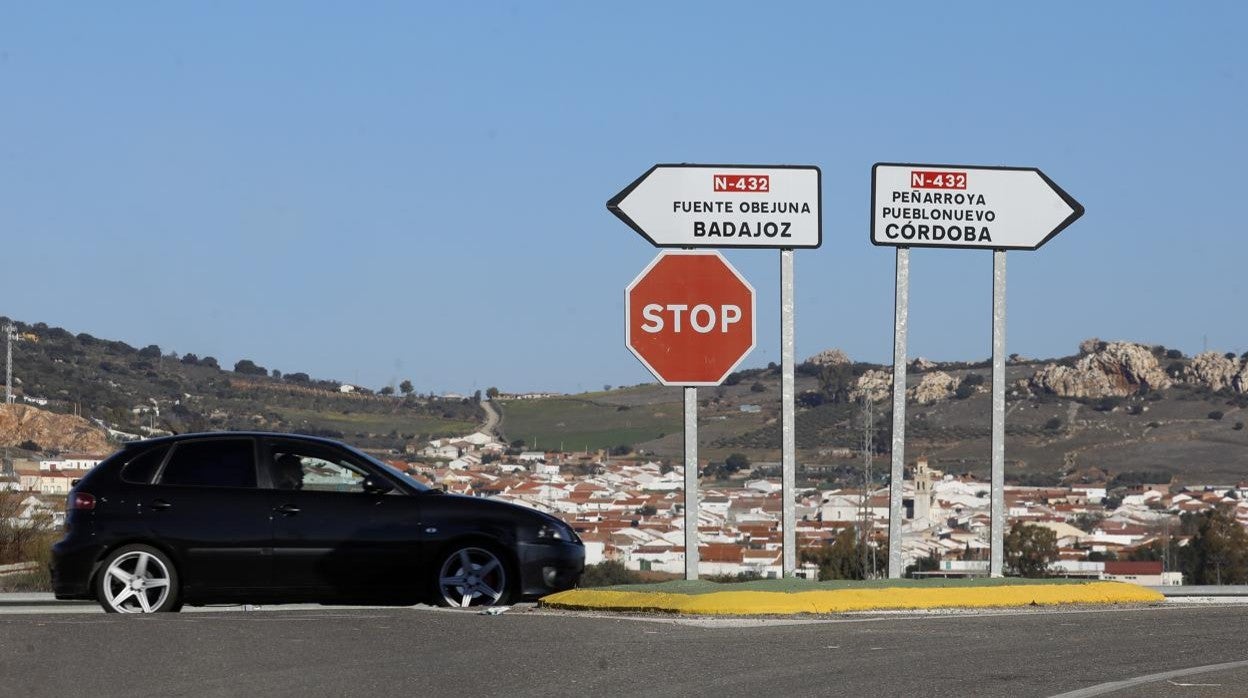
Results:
136 582
472 577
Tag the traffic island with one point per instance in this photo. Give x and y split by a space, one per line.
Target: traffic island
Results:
799 596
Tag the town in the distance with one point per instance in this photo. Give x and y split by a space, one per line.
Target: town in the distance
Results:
1098 488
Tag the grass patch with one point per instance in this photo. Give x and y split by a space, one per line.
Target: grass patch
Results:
577 424
791 586
373 423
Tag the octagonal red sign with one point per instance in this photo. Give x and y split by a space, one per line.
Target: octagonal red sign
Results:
689 317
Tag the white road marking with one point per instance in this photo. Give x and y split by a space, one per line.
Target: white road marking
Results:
1115 686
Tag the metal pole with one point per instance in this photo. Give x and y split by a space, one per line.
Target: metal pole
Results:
8 364
898 473
998 414
788 442
691 483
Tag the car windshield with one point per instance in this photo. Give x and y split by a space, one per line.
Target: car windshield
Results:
407 479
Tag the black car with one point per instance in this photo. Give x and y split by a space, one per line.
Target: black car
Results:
277 518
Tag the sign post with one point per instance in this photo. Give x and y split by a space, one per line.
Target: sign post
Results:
738 206
788 436
689 318
901 312
965 207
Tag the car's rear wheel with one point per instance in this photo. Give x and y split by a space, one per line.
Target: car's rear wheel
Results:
137 579
472 575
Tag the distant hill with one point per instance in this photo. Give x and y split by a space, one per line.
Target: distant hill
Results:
134 392
1115 410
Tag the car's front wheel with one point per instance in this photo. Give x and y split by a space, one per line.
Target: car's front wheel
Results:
472 575
137 579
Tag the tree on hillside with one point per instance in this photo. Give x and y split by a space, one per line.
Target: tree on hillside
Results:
248 367
1218 551
844 558
210 362
835 382
406 387
1029 549
387 391
491 392
298 378
190 359
150 351
735 462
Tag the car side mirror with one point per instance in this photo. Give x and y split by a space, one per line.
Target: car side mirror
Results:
374 486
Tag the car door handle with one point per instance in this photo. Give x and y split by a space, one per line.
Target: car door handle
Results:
287 510
159 505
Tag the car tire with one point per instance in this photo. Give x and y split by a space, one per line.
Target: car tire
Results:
472 575
138 579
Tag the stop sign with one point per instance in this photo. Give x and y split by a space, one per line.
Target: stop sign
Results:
689 317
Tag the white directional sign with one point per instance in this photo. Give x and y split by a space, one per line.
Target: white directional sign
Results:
1000 208
724 206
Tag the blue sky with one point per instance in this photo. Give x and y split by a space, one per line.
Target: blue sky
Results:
372 192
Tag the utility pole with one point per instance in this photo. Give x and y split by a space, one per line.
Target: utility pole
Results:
8 364
866 521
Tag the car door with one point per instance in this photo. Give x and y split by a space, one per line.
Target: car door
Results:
340 526
205 504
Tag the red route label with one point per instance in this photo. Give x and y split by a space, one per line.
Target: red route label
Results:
742 183
930 179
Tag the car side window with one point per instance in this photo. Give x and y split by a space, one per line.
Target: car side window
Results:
313 470
142 468
213 463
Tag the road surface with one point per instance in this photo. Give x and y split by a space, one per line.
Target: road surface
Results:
417 651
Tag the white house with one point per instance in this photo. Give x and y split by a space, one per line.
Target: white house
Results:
70 462
764 486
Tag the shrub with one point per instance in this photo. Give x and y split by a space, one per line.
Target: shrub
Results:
1107 404
1053 424
1174 354
1216 414
1238 426
758 388
608 573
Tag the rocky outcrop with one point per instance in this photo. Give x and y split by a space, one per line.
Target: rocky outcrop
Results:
873 385
1114 369
933 387
53 432
1215 371
829 357
1091 346
921 364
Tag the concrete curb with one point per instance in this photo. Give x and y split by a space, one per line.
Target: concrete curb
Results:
1202 590
36 599
742 603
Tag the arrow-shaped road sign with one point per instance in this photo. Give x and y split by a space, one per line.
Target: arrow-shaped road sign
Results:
1000 208
724 206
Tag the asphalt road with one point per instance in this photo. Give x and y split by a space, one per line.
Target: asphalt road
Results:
416 651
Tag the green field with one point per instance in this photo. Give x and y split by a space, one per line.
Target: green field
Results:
575 424
377 423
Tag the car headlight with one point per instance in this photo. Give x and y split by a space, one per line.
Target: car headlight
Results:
557 530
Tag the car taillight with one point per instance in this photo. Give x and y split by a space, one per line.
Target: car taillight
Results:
82 500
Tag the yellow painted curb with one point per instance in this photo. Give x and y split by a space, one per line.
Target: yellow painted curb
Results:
741 603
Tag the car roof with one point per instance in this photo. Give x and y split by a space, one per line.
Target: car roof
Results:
231 434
